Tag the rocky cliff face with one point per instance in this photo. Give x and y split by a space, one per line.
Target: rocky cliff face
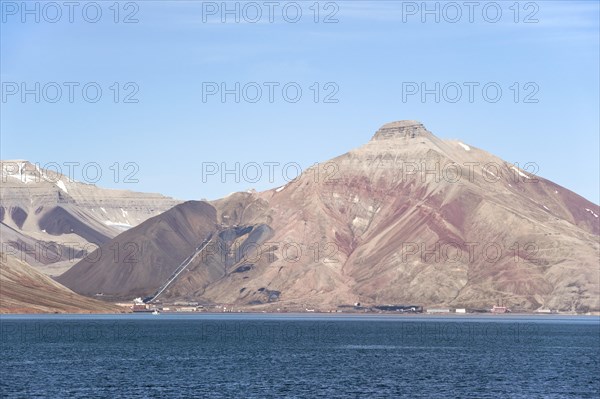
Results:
407 218
50 221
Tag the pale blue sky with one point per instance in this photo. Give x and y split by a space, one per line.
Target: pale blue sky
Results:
368 54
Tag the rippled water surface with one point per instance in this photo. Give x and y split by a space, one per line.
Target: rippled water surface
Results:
252 356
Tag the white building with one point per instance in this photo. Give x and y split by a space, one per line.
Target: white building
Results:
438 310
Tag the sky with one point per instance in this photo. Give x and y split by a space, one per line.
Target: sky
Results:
163 96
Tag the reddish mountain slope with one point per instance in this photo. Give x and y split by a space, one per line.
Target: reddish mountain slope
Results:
407 218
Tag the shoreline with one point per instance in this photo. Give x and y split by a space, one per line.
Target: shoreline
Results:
301 315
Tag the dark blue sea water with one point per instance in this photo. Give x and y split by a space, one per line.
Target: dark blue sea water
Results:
258 356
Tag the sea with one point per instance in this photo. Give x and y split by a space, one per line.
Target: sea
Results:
299 356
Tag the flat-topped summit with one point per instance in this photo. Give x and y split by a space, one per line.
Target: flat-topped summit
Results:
400 129
398 124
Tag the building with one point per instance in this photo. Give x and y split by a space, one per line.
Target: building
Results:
186 309
139 306
438 310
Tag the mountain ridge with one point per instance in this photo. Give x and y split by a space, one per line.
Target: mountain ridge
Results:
372 228
42 209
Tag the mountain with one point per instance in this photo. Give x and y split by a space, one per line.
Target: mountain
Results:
407 218
150 251
24 289
51 221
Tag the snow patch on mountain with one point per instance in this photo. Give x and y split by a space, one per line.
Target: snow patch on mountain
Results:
592 212
490 172
22 174
359 222
519 172
466 147
60 184
123 226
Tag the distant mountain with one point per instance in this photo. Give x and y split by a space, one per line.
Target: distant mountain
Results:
47 220
407 218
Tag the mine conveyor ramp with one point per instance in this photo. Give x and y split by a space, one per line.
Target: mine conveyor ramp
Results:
182 266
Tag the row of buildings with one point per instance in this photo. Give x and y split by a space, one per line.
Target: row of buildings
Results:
140 306
494 309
